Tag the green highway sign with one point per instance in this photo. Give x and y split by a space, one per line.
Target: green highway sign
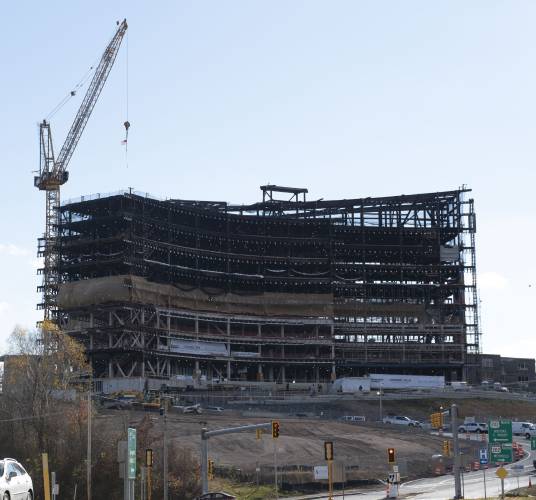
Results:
131 453
533 443
501 453
500 431
500 441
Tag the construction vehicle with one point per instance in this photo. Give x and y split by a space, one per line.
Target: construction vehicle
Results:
53 174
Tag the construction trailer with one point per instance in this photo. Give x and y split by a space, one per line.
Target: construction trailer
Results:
283 290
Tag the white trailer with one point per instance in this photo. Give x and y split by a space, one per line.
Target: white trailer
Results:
394 381
351 385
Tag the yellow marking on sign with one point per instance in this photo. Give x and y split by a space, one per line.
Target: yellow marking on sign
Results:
501 473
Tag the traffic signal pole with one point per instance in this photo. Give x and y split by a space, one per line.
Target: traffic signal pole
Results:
206 435
457 467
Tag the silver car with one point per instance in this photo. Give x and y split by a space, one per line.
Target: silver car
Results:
15 482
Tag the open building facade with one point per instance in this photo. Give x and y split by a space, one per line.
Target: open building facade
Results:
277 291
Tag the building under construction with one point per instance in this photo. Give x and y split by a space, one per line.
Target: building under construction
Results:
278 291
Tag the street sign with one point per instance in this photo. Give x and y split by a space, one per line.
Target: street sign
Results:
500 440
501 453
131 454
320 472
483 453
501 473
500 431
533 443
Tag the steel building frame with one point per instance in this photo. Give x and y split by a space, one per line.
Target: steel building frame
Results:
273 291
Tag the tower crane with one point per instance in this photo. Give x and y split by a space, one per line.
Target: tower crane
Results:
53 174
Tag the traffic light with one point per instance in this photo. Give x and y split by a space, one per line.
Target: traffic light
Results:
446 448
211 468
391 455
275 429
328 450
436 420
148 457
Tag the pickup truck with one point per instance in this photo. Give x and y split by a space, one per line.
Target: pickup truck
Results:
399 420
479 428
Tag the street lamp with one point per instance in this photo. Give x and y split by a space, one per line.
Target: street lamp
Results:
380 393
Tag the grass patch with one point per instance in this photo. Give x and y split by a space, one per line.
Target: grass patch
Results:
244 491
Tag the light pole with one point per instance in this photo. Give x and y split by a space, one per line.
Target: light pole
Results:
380 393
166 484
89 440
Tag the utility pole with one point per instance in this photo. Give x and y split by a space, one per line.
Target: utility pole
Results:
204 460
46 477
457 468
276 479
166 486
89 439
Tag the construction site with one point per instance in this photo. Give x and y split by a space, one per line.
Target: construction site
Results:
280 291
287 290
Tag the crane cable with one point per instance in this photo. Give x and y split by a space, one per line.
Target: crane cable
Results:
127 123
71 93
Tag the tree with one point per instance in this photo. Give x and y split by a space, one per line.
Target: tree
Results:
41 409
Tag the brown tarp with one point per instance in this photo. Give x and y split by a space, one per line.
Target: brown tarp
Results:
133 289
137 290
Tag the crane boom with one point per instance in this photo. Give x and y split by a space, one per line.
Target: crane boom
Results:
53 173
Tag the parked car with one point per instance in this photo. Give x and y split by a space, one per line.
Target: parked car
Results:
15 482
219 495
400 420
460 386
214 409
477 427
526 429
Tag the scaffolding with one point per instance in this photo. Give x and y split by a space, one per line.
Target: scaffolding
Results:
279 290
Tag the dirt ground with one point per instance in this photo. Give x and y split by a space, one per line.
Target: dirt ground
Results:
363 446
301 443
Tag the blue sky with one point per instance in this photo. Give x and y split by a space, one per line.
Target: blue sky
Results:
346 98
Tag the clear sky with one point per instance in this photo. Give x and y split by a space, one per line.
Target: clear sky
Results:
347 98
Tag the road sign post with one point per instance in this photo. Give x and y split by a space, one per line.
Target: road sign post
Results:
457 467
328 455
502 473
518 469
483 463
149 466
46 478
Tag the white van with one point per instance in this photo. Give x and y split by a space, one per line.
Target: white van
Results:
460 386
526 429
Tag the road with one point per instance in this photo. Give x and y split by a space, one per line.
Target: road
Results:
442 487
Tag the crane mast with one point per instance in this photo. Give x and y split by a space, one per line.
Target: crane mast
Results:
53 174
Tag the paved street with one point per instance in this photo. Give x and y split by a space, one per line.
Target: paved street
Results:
442 487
